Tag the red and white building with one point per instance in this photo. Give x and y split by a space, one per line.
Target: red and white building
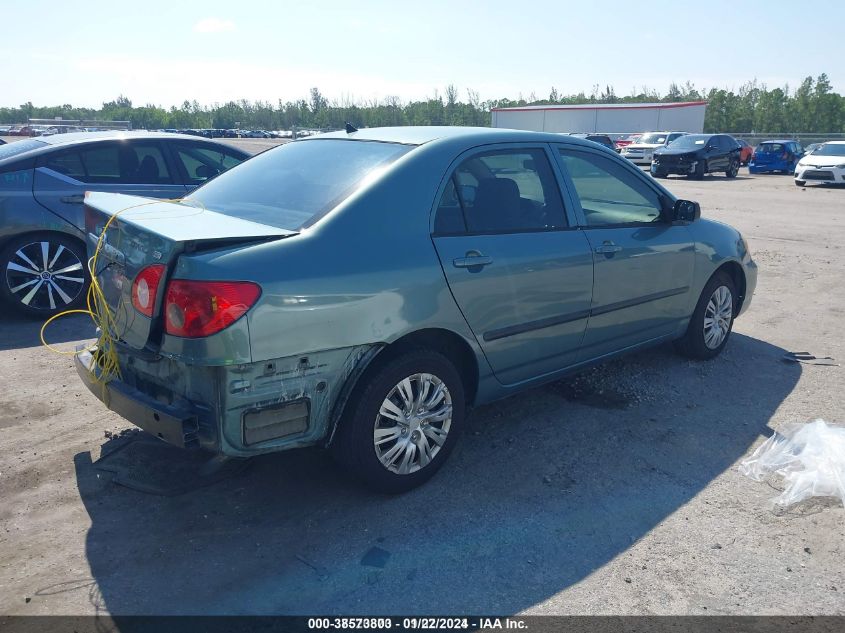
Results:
609 118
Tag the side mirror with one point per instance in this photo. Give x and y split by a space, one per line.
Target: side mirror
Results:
686 211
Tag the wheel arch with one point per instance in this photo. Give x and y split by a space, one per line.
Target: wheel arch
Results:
6 239
734 270
446 342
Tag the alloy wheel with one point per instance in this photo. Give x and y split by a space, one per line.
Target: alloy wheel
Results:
45 276
413 423
717 317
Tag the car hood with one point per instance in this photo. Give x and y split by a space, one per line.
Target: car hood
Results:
670 151
645 145
822 161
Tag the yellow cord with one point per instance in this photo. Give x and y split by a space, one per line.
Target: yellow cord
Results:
100 313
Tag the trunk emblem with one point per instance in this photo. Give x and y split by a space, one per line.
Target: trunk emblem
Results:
156 255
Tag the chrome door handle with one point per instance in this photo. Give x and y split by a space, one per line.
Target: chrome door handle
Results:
472 260
77 199
608 248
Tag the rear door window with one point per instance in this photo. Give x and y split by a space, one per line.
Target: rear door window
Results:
112 163
502 191
67 163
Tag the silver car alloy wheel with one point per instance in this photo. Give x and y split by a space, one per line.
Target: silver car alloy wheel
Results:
717 317
44 275
413 423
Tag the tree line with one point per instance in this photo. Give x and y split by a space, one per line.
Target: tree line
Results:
812 107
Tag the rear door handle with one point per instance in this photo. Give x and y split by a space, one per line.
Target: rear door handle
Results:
608 248
77 199
473 259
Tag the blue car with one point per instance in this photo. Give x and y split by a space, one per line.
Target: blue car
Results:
42 187
362 290
775 156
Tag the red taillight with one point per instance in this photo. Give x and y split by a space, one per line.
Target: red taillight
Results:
200 308
753 154
145 288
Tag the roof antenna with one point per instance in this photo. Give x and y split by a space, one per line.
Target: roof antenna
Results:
350 128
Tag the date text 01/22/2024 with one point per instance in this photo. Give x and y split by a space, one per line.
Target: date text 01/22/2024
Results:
418 623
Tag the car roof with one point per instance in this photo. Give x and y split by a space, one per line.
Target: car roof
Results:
54 141
419 135
780 140
832 143
116 135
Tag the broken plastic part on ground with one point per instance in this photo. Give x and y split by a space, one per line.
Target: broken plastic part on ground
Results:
807 460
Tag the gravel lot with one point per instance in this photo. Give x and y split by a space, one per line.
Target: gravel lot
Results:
614 492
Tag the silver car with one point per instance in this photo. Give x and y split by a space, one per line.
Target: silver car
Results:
42 187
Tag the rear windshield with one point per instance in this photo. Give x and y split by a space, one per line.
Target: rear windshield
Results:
290 186
19 147
830 149
769 147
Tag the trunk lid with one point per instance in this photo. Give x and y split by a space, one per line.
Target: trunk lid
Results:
146 232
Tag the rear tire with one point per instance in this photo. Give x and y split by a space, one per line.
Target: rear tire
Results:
42 274
800 183
712 320
403 421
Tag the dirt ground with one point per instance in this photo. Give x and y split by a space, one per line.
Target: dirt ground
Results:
614 492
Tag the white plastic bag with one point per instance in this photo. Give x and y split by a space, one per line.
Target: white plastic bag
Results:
810 459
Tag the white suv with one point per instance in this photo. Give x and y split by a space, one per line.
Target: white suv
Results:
642 151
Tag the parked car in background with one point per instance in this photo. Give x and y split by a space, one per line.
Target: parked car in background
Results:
826 165
2 142
624 142
480 291
42 186
642 151
694 155
745 152
601 139
775 156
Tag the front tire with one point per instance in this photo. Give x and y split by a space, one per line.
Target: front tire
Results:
403 421
700 168
733 170
712 320
800 183
43 274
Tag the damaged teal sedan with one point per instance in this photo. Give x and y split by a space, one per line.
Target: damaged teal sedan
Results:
362 290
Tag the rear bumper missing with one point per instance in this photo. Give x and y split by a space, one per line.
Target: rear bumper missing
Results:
176 424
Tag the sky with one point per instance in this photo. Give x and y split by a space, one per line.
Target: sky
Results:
165 52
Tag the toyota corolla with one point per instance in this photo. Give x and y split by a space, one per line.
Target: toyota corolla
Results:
362 290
